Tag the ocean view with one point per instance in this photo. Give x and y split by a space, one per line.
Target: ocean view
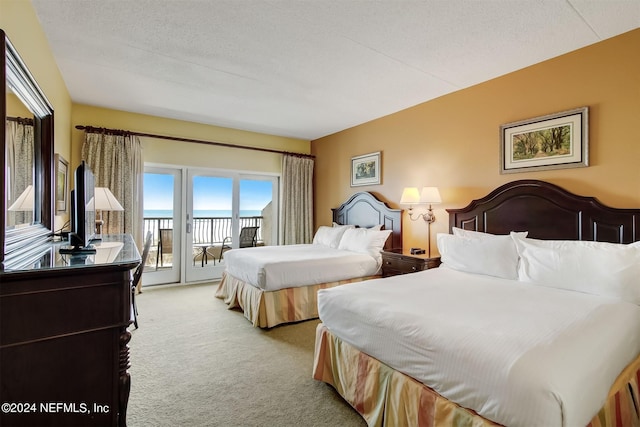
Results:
167 213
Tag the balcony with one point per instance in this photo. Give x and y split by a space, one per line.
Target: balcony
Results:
210 230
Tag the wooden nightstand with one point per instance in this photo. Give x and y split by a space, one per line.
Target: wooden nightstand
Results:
394 263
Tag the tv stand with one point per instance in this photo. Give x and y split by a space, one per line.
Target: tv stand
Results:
63 337
77 250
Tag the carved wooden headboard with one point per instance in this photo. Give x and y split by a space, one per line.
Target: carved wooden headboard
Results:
549 212
366 210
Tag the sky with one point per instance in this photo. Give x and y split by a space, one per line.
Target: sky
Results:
210 193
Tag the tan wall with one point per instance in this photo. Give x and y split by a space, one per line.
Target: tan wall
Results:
19 22
453 142
161 151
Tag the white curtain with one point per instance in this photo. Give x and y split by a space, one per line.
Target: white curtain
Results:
116 162
297 199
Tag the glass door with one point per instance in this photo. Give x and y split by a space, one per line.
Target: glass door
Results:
258 208
210 222
195 220
162 216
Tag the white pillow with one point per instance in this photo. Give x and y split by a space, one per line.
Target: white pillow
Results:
345 226
329 236
374 227
491 255
479 234
364 240
598 268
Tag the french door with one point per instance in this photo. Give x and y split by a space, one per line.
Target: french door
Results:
196 215
219 205
163 218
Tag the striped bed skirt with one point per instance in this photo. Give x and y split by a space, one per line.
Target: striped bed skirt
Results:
266 309
386 397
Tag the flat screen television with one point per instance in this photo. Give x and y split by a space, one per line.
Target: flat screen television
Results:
83 212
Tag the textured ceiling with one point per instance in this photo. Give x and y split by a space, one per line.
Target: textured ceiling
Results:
305 68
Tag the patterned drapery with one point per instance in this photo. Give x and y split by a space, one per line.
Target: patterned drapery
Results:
117 163
19 141
297 199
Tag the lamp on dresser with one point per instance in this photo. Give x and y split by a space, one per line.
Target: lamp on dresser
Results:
428 196
105 201
24 202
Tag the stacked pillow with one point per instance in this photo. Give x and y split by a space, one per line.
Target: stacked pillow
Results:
479 253
330 236
598 268
364 240
349 238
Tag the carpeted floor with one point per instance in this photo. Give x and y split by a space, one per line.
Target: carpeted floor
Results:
196 363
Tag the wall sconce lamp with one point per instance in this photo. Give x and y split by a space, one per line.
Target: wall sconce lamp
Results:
429 196
105 201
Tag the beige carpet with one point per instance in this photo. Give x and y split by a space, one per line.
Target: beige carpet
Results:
196 363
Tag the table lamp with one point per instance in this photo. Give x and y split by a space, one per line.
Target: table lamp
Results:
105 201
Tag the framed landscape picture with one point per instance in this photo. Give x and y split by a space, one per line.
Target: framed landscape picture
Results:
555 141
365 169
62 183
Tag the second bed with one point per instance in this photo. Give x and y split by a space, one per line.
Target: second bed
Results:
273 285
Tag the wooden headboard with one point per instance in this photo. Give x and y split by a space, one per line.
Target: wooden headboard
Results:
365 210
549 212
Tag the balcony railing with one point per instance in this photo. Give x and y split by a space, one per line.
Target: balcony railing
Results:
204 229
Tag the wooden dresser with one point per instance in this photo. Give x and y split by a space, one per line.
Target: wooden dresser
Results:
63 337
396 262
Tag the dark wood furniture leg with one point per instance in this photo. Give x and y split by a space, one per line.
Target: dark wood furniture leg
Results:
124 377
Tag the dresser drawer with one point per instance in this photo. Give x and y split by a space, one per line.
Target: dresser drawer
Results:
403 264
397 263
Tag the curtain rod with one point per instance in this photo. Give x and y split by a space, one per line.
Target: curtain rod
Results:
21 120
196 141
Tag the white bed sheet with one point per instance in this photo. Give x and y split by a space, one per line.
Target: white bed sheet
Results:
516 353
278 267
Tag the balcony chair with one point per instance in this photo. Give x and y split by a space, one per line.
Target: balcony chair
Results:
137 275
165 244
248 238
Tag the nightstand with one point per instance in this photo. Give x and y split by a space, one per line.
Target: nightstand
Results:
394 263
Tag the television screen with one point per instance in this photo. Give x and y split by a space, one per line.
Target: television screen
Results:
83 211
90 206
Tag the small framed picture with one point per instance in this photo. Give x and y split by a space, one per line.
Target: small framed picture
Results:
62 183
555 141
365 169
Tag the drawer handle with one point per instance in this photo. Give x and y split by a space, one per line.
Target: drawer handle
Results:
413 268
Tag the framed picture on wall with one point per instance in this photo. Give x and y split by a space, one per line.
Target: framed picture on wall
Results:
365 169
555 141
62 183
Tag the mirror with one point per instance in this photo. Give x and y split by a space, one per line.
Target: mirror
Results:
26 143
19 163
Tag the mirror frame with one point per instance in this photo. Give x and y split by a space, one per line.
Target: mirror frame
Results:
19 244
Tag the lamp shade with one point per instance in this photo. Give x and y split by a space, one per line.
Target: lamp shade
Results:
106 201
430 195
24 202
410 196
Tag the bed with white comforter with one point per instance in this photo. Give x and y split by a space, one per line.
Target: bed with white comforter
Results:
273 285
539 327
277 267
516 353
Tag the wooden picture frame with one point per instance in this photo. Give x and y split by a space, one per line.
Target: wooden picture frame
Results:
554 141
62 184
366 170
